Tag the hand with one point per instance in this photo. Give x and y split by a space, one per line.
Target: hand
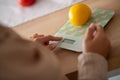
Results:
96 41
45 40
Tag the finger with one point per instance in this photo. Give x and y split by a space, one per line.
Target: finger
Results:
100 28
35 35
51 38
90 32
40 36
36 39
99 32
52 46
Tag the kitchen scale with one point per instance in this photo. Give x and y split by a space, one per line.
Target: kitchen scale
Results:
73 36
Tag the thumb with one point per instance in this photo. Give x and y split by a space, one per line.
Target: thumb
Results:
90 32
99 32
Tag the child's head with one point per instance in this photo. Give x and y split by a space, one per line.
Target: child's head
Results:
22 59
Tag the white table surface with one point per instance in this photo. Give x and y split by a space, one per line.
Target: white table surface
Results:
12 14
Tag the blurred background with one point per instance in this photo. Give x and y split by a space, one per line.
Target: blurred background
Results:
12 14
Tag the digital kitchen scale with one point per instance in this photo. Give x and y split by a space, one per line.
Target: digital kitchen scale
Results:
73 36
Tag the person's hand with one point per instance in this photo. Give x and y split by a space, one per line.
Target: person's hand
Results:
45 40
96 41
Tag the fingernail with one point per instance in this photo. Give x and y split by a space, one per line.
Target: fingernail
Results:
92 25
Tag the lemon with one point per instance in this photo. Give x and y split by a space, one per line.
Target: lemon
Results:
79 14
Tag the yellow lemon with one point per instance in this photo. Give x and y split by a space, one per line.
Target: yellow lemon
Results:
79 14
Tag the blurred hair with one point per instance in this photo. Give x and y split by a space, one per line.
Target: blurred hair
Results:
6 33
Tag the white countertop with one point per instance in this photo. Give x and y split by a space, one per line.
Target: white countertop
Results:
12 14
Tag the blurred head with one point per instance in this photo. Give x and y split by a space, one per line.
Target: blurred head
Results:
22 59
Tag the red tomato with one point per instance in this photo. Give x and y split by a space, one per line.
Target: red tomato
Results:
25 3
